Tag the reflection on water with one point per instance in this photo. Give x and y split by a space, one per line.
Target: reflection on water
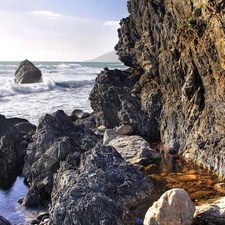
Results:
10 209
175 172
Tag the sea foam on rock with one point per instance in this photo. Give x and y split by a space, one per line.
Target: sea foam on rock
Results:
27 73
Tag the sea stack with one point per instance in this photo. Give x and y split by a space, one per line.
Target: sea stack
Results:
27 73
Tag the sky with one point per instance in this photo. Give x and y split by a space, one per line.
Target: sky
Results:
59 30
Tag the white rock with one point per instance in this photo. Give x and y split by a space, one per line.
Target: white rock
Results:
173 208
135 149
109 135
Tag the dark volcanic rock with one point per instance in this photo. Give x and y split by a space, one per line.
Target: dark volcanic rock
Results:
174 89
115 100
12 152
27 73
4 221
56 137
97 188
213 214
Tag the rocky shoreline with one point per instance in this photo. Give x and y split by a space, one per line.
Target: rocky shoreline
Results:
87 167
68 168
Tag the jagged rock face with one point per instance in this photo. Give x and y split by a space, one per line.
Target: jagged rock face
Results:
176 52
97 188
27 73
55 138
12 152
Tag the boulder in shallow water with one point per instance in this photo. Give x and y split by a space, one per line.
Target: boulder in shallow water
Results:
174 207
27 73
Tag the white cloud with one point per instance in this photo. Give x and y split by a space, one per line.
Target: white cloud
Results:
48 14
114 24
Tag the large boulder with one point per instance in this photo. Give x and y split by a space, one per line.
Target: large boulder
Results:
27 73
55 138
174 207
98 187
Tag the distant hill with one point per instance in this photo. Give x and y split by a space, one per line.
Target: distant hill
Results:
107 57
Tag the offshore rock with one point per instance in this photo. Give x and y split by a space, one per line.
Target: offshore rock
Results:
55 138
97 188
174 207
213 214
174 89
12 152
27 73
135 150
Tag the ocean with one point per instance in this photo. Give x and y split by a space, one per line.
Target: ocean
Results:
66 86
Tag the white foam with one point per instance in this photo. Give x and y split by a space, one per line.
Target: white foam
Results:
11 89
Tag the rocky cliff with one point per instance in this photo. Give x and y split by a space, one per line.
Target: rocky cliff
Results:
174 88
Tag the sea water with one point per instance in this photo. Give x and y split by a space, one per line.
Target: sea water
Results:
66 86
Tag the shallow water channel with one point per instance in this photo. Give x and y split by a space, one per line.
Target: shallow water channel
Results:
174 172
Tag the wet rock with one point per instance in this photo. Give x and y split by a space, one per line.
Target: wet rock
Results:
27 73
36 221
170 209
99 189
11 151
210 214
135 150
56 137
4 221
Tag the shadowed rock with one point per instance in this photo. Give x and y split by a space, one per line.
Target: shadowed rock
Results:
210 214
4 221
27 73
12 151
55 138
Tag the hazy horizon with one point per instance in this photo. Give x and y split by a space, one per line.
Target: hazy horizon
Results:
48 30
